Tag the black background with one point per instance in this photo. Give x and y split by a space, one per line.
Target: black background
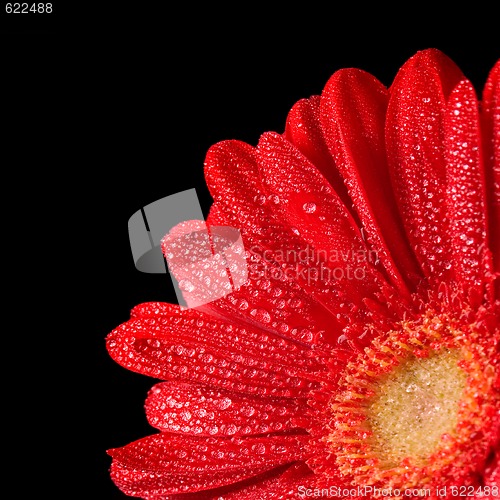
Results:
108 111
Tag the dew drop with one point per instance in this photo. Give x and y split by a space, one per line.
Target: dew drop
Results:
259 448
260 199
223 403
247 411
230 430
261 315
242 305
309 207
186 285
264 284
185 415
283 327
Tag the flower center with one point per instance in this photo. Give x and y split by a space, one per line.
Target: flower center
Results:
418 405
415 406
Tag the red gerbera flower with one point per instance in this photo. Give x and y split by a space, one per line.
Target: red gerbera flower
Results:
362 353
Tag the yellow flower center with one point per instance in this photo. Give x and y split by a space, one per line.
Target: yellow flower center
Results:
414 407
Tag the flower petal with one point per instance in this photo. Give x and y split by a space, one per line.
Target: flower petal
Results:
296 311
153 309
151 485
303 130
353 109
491 136
168 464
310 206
191 346
232 177
414 138
288 485
280 483
195 410
466 192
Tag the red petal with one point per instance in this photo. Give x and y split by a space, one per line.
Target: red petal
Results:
285 486
491 136
144 483
280 483
272 298
187 409
152 309
414 138
167 464
303 130
151 484
192 346
467 240
309 205
302 190
353 109
232 177
232 171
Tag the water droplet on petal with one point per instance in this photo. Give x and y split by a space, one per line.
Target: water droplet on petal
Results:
230 430
309 207
259 448
242 305
186 285
223 403
260 199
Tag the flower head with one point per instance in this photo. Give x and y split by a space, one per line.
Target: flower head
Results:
363 351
